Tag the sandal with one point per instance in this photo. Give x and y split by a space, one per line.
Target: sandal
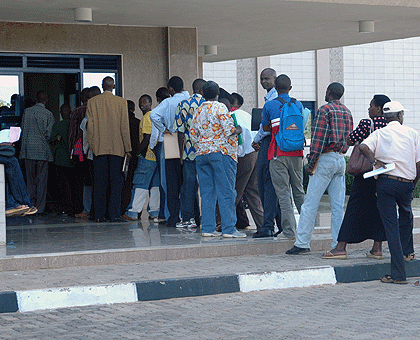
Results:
373 256
31 211
410 257
330 255
389 279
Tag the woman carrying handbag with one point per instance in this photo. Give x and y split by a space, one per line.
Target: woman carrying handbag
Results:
361 220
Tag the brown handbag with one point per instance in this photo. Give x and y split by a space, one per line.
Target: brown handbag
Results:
359 164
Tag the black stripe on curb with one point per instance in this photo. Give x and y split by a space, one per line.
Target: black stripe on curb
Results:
8 302
370 272
186 287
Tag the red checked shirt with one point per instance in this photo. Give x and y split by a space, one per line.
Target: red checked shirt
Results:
333 123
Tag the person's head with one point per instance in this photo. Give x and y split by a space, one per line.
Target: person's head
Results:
161 94
93 91
238 100
175 85
131 107
41 97
14 99
145 103
226 102
283 84
376 105
65 111
210 90
268 78
225 94
334 92
108 84
84 95
393 110
197 86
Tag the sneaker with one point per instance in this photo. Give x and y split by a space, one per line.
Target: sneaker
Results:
296 251
263 234
235 234
182 224
192 223
281 236
212 234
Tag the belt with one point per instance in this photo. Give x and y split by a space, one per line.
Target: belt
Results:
328 151
399 179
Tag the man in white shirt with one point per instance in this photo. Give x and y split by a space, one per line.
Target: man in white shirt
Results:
163 117
396 144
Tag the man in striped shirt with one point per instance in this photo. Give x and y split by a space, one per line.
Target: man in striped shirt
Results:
326 166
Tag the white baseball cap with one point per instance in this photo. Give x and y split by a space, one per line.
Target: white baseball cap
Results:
393 107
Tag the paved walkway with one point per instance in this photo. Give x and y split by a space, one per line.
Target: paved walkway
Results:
368 310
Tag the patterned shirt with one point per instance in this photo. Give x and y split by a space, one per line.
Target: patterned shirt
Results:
183 120
37 123
212 128
333 123
363 129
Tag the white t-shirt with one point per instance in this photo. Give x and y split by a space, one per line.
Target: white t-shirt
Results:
397 144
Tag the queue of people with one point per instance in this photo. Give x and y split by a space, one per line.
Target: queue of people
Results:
203 143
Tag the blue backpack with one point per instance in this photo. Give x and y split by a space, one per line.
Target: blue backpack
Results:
290 136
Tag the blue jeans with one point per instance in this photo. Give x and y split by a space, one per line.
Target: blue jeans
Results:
145 174
189 194
398 227
329 175
266 189
217 177
16 190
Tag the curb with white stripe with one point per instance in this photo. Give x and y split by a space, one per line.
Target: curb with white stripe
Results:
39 299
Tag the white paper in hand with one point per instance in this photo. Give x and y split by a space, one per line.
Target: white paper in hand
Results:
379 171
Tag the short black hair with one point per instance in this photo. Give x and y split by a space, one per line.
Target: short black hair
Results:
197 85
225 94
162 93
130 105
380 100
336 89
238 98
210 90
176 83
282 83
145 96
41 96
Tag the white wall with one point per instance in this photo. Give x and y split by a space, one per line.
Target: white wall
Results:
300 67
391 68
223 73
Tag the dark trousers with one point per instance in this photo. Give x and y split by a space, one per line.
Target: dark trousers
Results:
107 178
266 189
65 181
247 186
36 181
190 207
398 228
78 184
173 189
242 220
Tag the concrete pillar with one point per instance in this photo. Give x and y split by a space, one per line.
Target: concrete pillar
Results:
262 63
183 55
248 82
322 63
2 208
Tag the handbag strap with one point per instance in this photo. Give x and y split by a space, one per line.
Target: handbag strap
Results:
371 126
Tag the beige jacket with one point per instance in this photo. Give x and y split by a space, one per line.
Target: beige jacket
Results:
108 131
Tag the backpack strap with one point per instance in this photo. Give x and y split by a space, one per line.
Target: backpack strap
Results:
281 100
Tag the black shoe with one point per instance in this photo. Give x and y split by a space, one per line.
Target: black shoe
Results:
296 251
100 220
262 234
118 220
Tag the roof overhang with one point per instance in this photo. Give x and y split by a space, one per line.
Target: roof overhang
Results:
241 28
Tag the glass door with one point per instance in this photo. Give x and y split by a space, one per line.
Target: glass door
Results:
10 101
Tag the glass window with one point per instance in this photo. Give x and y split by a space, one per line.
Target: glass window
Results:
9 101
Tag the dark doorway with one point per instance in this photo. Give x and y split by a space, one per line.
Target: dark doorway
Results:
61 88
